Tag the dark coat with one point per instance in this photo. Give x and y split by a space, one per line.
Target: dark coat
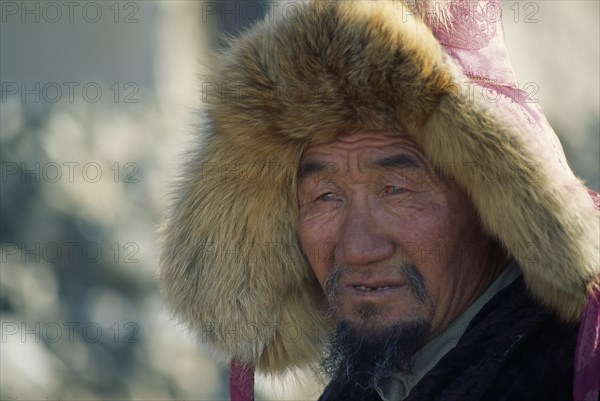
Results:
513 350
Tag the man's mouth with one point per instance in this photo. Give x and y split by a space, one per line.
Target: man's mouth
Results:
365 288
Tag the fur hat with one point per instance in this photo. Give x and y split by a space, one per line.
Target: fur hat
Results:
231 266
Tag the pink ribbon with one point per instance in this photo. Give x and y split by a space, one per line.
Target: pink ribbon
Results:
241 381
586 383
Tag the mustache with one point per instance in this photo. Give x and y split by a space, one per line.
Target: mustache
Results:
332 290
414 281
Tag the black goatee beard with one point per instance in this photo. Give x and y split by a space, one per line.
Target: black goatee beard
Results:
355 361
358 355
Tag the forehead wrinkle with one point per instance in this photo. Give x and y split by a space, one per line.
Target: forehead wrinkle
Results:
356 156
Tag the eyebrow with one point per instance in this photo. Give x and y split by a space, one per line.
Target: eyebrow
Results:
309 168
400 161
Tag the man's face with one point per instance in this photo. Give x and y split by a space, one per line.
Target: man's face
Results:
389 241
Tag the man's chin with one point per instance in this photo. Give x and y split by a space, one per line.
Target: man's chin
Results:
374 320
372 328
361 352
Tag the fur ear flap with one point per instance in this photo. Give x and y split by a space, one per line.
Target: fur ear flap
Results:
543 215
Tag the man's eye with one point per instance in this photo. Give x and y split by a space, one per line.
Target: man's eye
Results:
329 196
394 190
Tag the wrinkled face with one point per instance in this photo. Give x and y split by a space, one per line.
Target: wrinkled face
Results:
389 241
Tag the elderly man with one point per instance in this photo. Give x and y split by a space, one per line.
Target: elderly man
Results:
370 173
408 257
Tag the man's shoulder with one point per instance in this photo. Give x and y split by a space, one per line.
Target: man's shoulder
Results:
514 349
540 368
541 364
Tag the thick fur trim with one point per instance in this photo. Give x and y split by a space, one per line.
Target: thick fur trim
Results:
231 266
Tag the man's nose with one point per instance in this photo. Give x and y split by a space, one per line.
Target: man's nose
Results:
363 240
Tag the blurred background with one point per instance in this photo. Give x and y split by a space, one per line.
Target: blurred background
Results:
98 99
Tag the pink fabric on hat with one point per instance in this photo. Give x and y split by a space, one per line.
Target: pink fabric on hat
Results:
475 38
586 384
241 381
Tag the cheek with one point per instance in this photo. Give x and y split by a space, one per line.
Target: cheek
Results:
426 236
318 245
417 229
444 241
